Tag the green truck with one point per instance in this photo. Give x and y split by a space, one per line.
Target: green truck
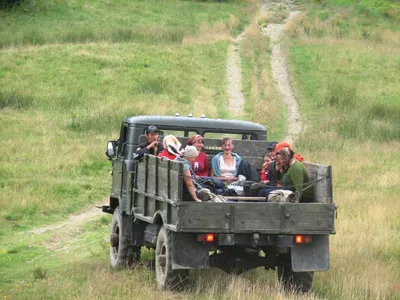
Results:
148 210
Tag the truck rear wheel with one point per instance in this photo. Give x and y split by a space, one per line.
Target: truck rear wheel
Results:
167 278
298 281
122 252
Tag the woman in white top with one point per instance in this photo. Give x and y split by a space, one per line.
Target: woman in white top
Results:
225 164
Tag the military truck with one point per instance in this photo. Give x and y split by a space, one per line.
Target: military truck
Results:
148 210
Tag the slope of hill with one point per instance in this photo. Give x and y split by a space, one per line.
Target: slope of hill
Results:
67 78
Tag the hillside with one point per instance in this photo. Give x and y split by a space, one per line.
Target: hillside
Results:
68 77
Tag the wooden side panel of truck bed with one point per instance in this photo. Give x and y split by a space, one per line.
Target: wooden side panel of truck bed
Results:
157 193
283 218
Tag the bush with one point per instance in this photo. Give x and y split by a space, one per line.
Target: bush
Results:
9 3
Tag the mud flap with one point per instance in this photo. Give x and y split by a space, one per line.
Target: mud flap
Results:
188 253
313 256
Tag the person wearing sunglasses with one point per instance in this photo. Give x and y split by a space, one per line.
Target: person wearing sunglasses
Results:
200 165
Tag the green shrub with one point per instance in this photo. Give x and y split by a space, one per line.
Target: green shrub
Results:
39 273
4 4
15 99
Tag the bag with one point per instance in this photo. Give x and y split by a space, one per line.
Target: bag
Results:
213 184
257 186
282 196
246 187
207 195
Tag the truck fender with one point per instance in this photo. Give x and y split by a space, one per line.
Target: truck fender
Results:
187 253
160 217
311 257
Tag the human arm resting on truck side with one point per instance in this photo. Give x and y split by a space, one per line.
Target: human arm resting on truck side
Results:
187 178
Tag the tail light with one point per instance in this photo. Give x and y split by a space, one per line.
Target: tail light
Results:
302 239
206 237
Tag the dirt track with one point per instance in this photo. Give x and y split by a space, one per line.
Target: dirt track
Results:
278 65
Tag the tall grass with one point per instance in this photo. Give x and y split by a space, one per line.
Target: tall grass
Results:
346 82
366 19
355 85
153 22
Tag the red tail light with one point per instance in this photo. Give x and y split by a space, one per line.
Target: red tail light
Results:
302 239
205 237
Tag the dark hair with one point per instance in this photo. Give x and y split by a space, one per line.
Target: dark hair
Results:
224 140
151 129
267 154
287 154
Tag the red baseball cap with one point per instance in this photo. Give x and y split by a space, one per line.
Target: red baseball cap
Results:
281 145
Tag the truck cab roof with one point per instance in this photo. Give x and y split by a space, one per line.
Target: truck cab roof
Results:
199 125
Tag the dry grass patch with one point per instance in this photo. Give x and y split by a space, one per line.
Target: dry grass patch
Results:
263 18
366 248
208 33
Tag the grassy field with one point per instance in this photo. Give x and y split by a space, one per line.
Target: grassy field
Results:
348 88
67 79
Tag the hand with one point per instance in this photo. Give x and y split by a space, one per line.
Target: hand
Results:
197 200
231 179
152 144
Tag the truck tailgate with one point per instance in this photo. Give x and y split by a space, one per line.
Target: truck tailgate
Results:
267 218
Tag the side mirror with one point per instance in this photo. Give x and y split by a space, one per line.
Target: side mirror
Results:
111 150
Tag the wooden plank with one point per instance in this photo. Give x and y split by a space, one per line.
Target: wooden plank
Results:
244 198
152 174
163 178
141 176
208 216
309 216
245 217
256 217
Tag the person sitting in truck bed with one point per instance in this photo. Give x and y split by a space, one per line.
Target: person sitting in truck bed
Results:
294 176
267 161
200 165
226 163
274 171
188 156
171 147
152 146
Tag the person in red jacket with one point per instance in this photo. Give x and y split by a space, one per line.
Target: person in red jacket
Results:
200 165
171 147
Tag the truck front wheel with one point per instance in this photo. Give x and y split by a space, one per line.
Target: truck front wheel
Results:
122 252
168 278
298 281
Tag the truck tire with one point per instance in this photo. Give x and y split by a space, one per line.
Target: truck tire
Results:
122 252
167 278
297 281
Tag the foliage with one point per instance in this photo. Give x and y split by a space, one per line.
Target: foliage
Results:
7 4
